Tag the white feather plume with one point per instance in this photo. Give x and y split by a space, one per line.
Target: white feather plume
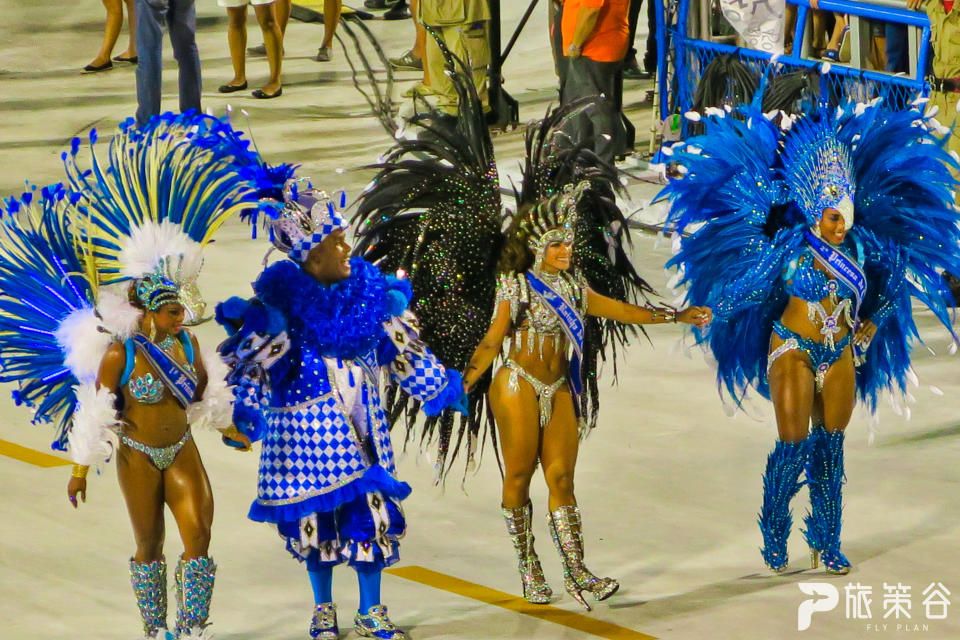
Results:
93 436
117 315
215 410
196 633
83 343
151 243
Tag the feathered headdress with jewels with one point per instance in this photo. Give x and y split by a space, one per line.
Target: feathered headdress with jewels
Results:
303 219
818 170
146 211
435 211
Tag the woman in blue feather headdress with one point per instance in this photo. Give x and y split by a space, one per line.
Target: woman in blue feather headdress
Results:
812 235
97 281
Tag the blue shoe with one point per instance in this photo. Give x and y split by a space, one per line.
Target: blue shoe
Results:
376 624
324 623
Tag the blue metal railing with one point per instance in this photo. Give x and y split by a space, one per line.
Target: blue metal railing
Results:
689 55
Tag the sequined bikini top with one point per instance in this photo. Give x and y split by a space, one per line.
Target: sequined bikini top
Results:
148 388
529 313
805 281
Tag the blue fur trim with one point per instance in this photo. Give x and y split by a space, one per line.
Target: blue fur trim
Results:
400 294
344 319
376 478
451 397
230 312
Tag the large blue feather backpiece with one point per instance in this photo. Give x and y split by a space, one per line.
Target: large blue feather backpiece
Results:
744 230
42 282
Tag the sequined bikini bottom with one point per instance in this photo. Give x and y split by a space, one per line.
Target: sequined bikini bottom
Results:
544 391
162 457
821 356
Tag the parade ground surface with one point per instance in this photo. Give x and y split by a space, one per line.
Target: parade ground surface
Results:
669 483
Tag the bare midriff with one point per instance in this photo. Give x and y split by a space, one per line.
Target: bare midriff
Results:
548 367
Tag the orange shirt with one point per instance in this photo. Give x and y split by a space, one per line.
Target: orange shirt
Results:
608 42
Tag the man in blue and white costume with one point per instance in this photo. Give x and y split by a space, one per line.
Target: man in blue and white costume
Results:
307 355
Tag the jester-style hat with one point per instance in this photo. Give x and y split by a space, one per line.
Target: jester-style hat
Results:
303 220
818 170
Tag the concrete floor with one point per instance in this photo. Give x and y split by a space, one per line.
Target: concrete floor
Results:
668 484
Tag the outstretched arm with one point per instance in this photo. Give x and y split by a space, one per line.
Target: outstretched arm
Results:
604 307
489 347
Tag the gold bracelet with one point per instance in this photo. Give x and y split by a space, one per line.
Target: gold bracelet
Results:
80 471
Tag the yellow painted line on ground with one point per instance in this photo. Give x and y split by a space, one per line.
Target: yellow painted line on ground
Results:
577 621
31 456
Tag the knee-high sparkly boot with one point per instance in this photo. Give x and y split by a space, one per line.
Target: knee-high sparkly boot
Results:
149 581
194 580
519 526
780 485
567 532
825 478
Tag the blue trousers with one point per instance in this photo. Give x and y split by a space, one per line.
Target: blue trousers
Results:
180 17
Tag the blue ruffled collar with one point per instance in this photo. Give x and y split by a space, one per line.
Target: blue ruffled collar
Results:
342 320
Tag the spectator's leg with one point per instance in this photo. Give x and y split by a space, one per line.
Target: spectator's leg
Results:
633 16
789 27
131 50
896 48
183 31
237 42
111 31
597 125
650 56
331 18
272 41
556 42
150 16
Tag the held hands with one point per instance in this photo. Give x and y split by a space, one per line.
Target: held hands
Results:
232 437
699 317
864 334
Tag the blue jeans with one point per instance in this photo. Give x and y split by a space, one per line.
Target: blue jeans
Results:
180 17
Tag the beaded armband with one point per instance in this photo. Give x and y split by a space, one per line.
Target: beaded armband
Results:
507 289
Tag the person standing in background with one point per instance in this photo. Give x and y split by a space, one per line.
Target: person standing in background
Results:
180 17
237 37
111 32
595 36
463 25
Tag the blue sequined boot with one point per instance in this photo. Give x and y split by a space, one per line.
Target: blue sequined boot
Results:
149 581
194 580
780 485
825 477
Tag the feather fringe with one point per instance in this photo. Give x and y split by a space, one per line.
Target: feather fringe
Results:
93 435
117 316
150 244
83 343
215 410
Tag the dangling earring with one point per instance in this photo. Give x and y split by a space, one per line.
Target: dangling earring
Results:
153 329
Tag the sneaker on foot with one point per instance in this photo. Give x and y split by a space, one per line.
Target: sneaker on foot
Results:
407 62
324 623
259 50
376 624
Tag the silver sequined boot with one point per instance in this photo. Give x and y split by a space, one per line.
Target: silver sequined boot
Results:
324 623
149 581
194 580
519 526
567 532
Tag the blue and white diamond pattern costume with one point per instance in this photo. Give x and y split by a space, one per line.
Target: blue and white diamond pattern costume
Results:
308 359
